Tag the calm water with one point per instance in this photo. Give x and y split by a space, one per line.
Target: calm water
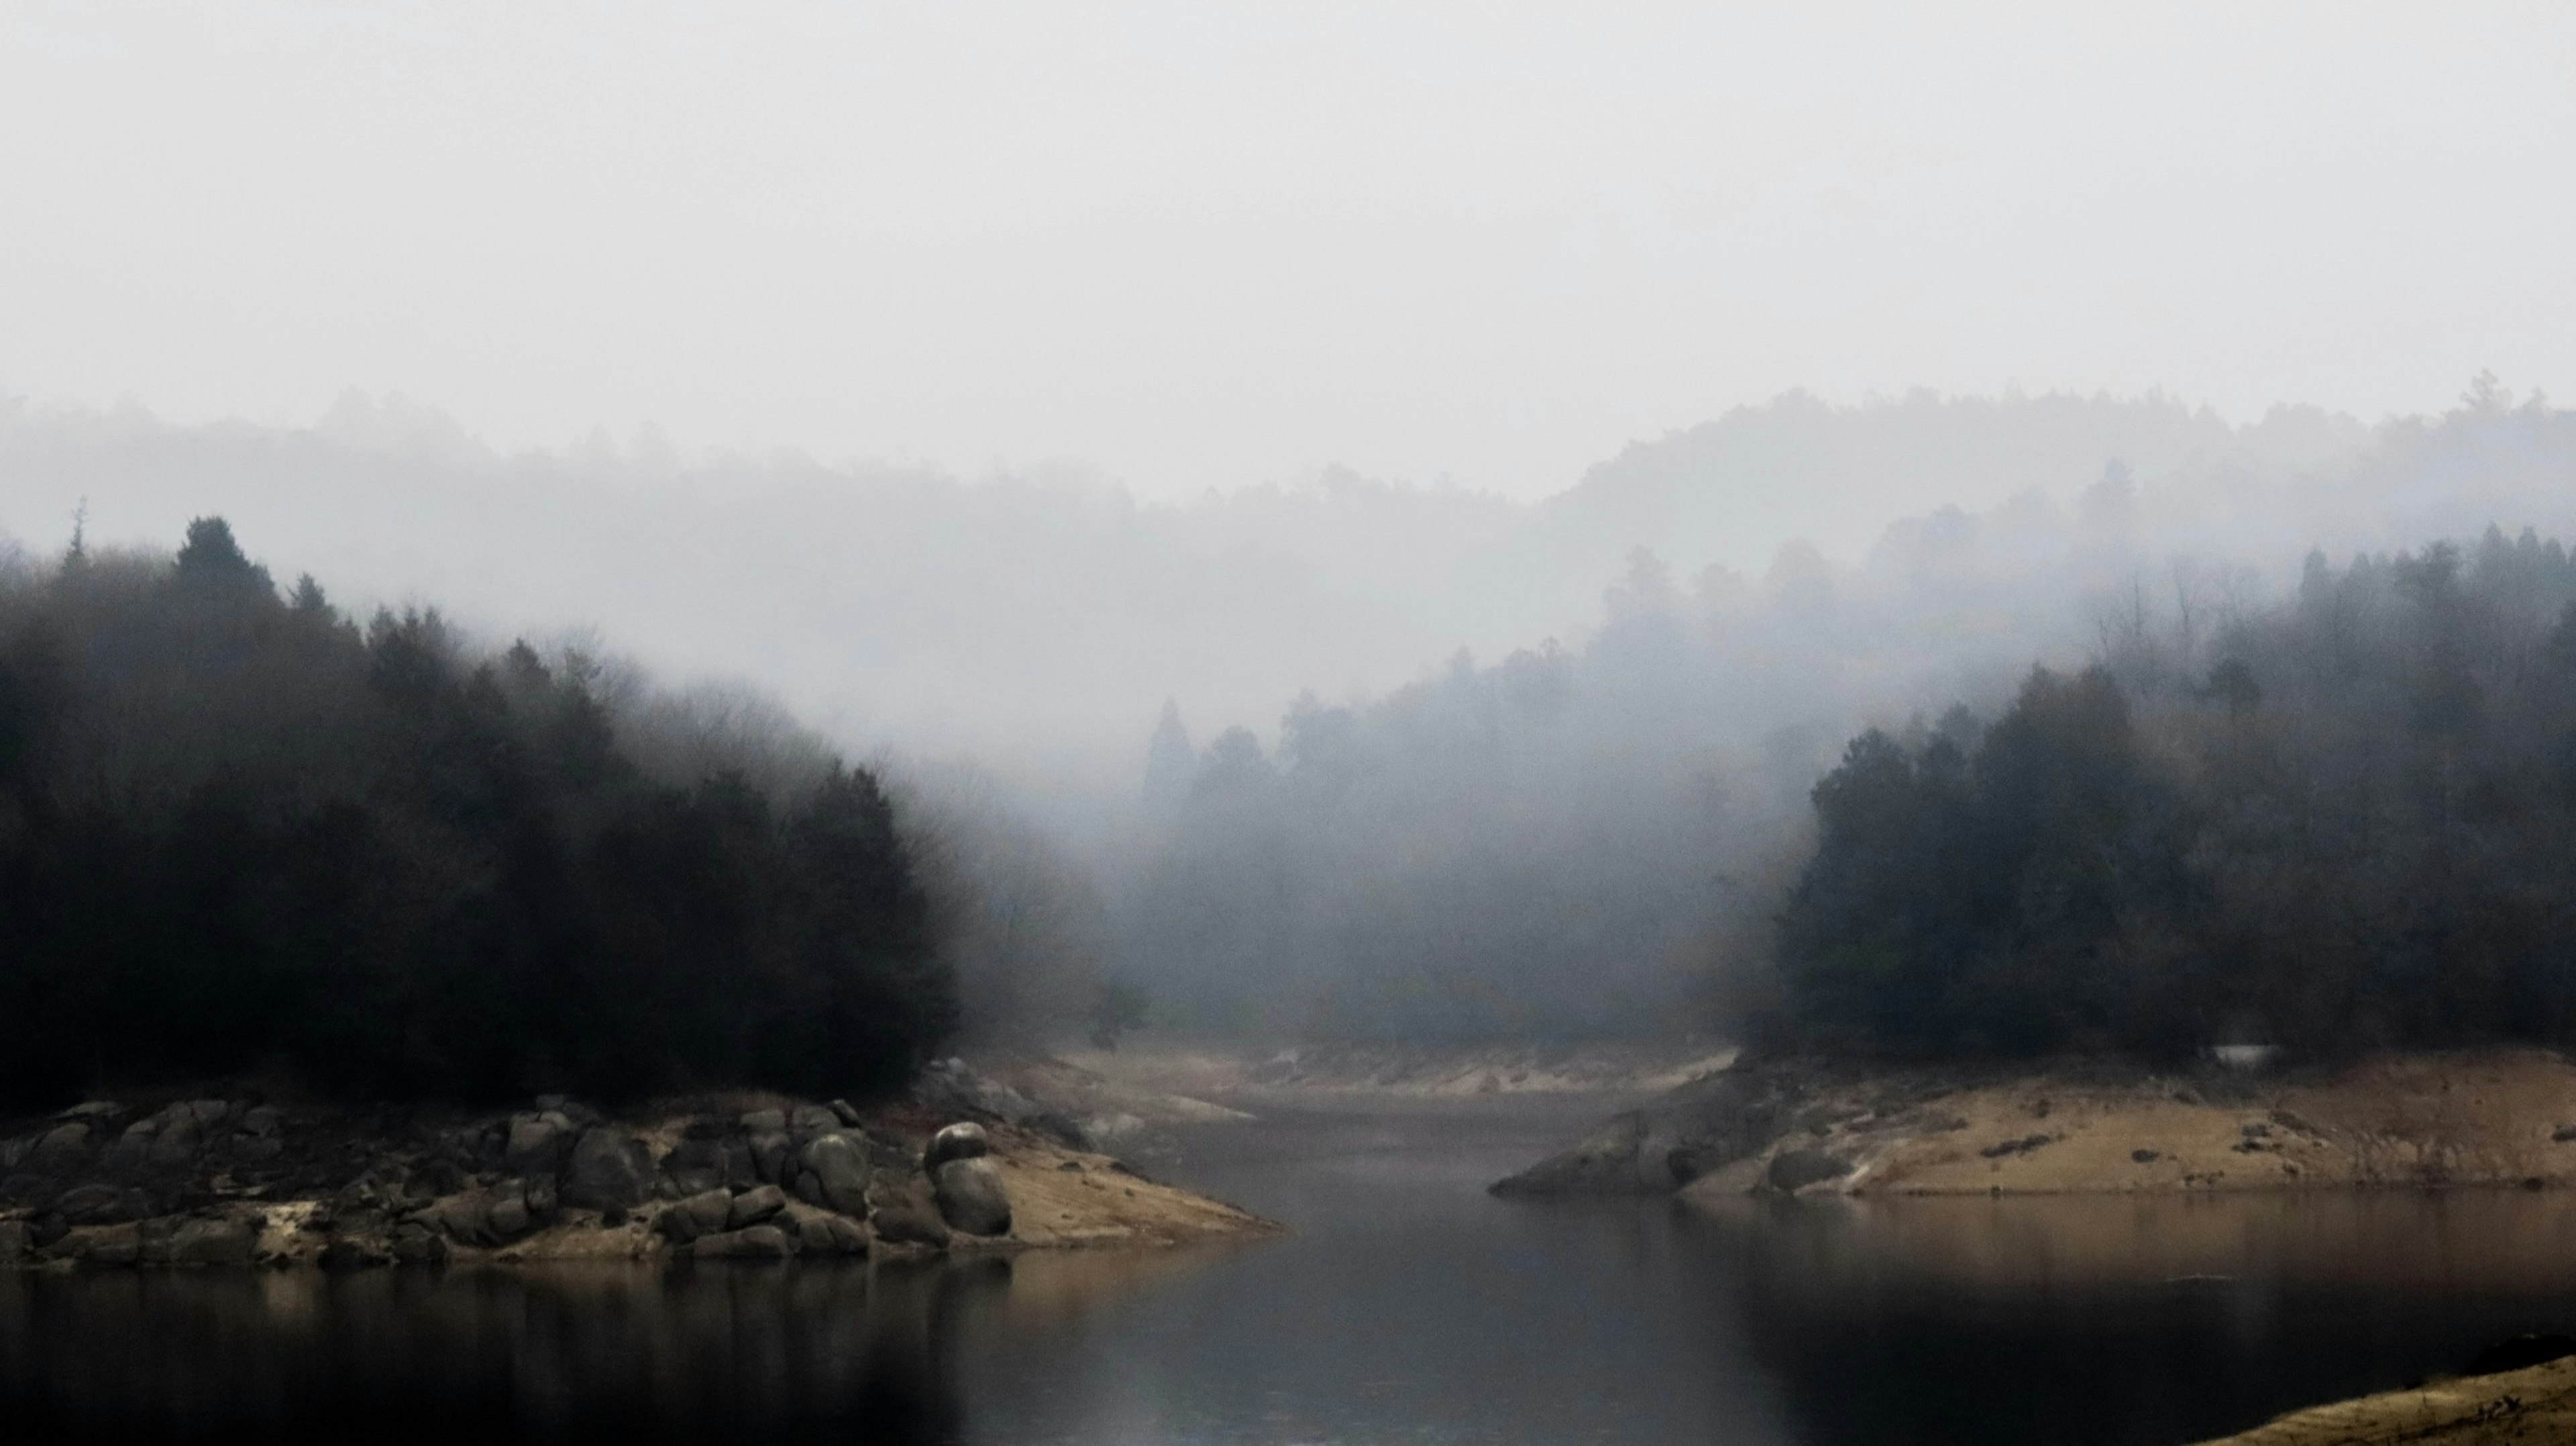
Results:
1410 1308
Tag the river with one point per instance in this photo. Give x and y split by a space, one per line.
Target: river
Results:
1410 1307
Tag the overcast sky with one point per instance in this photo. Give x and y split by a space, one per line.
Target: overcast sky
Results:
1196 245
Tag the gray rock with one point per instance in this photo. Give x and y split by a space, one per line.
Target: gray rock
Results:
102 1245
1710 1122
846 1113
839 1166
93 1111
757 1242
532 1143
806 1121
948 1087
213 1242
813 1235
849 1237
263 1122
971 1197
754 1206
415 1245
27 1189
1796 1169
96 1204
539 1192
505 1212
17 1242
696 1164
765 1122
957 1142
769 1155
607 1171
62 1145
703 1213
904 1212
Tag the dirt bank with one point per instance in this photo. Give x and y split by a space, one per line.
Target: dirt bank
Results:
2524 1407
212 1180
2483 1118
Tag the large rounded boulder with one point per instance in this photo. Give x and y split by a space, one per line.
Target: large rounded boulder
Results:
971 1197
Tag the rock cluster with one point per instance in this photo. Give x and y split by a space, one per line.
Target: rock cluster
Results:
221 1182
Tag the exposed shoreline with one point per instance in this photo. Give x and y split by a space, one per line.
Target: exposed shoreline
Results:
2537 1403
217 1181
2478 1118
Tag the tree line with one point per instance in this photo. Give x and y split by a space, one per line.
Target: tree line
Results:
2341 821
241 833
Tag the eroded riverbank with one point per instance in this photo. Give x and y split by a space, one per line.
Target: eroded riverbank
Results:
2472 1119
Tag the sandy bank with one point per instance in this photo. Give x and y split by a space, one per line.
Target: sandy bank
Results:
2528 1406
2482 1118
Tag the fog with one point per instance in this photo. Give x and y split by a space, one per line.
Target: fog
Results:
1341 756
1333 520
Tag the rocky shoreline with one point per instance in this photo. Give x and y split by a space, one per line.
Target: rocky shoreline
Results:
239 1181
2496 1117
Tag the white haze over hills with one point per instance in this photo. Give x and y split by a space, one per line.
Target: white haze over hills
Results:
1443 764
1039 622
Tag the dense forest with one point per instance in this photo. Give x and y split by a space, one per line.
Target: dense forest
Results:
2343 820
241 833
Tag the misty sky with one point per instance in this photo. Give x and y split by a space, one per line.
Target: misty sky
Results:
1190 246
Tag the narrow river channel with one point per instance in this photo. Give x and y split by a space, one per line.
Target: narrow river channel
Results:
1410 1307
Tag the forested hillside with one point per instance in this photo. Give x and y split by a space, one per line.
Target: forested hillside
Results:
241 833
2344 820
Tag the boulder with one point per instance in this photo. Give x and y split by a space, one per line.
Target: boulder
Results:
948 1087
963 1141
416 1245
820 1234
904 1211
703 1213
532 1143
1657 1149
1792 1170
754 1206
505 1213
806 1121
263 1122
213 1242
607 1171
769 1154
757 1242
96 1204
971 1197
60 1146
764 1122
102 1245
846 1113
346 1253
697 1164
839 1166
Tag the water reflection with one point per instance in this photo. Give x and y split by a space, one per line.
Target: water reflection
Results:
1411 1307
